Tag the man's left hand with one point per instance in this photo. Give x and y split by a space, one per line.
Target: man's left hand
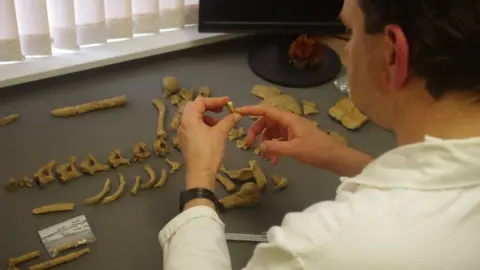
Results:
202 140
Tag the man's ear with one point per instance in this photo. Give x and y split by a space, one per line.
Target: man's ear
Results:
399 56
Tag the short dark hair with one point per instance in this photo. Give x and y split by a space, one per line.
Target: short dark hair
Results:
443 36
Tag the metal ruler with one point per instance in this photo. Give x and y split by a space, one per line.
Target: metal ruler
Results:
245 237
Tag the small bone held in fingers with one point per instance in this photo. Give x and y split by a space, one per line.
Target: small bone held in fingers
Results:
231 107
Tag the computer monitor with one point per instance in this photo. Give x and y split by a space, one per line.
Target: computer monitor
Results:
298 21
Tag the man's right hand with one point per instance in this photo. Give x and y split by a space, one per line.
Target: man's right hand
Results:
287 134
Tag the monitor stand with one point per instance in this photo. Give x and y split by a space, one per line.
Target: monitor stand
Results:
270 61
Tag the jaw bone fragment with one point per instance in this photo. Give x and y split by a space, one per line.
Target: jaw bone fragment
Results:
247 196
309 108
347 114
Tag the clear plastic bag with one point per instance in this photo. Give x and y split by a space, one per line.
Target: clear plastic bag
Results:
67 235
342 84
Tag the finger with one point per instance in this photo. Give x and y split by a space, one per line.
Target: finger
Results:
284 134
274 160
201 105
272 133
256 129
210 120
217 110
268 135
269 112
227 123
274 148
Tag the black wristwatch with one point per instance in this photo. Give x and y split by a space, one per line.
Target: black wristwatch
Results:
199 193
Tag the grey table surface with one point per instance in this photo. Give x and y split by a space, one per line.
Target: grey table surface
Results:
127 229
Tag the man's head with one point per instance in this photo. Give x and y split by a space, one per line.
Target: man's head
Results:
402 50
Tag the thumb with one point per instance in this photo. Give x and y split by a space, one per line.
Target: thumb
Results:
277 148
227 123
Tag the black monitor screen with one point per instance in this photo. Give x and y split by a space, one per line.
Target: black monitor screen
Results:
312 16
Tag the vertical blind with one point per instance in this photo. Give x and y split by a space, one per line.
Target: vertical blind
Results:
34 27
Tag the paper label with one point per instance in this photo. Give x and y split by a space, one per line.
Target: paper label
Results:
65 230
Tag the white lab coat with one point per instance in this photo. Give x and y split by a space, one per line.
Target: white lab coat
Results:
416 207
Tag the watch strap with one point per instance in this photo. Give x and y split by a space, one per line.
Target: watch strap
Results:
199 193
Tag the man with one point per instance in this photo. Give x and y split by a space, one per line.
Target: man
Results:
414 68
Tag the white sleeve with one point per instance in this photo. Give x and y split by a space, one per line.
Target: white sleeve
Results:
300 242
195 239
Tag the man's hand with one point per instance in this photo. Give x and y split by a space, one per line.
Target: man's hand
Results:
202 140
287 134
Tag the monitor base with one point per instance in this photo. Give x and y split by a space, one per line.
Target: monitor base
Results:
271 62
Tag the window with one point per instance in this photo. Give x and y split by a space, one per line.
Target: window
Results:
32 28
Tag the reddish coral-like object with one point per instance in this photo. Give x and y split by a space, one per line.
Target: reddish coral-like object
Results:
305 52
